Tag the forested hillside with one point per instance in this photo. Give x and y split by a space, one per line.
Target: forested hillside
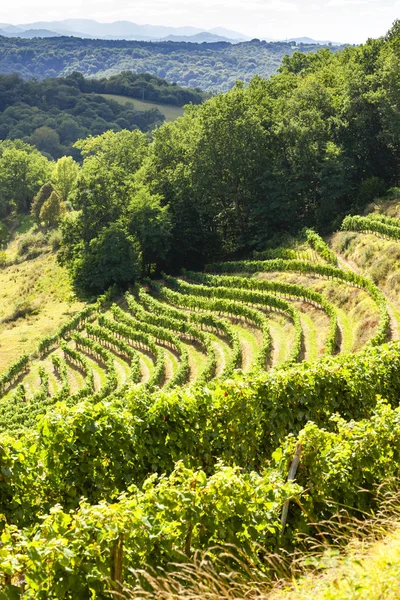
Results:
53 114
304 148
212 67
229 382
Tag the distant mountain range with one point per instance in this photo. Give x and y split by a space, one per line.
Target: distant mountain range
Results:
126 30
307 40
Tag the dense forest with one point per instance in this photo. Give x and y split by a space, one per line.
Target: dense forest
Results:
212 67
304 148
54 113
143 86
307 146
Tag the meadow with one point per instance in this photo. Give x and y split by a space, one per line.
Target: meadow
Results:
170 112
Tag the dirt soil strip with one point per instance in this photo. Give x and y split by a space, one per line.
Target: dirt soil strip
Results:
144 371
121 371
280 346
220 356
169 366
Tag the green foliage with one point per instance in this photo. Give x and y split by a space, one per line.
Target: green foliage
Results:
379 224
113 206
64 177
23 171
345 465
320 246
52 210
53 114
20 366
47 141
169 517
44 194
112 257
135 65
150 223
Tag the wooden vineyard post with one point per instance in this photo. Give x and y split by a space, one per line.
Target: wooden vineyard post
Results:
117 558
291 476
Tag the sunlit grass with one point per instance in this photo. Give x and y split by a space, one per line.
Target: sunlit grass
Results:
170 112
43 285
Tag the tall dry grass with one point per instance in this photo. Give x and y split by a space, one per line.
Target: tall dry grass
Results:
340 562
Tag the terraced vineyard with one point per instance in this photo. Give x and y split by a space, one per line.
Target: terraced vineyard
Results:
177 408
253 315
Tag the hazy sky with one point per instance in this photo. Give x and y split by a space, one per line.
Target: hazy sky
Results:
338 20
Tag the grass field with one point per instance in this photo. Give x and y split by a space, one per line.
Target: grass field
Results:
40 284
365 572
170 112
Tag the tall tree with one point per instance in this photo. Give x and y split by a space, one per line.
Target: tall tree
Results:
150 223
23 171
65 176
52 210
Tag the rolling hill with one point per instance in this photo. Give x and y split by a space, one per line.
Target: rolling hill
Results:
212 67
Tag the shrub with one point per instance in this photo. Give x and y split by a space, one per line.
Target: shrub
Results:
44 193
55 240
21 309
380 270
52 210
33 240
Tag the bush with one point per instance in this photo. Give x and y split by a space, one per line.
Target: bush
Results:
33 240
55 240
21 309
344 240
380 270
52 210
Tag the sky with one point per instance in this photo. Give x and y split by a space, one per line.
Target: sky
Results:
351 21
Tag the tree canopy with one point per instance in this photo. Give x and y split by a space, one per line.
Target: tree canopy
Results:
212 67
316 141
53 114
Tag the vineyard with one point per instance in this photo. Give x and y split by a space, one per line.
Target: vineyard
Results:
163 421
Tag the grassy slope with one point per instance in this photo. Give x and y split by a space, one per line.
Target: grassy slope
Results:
170 112
357 313
43 284
367 572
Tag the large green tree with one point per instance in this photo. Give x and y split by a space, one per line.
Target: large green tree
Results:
23 171
64 177
112 257
104 192
150 223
